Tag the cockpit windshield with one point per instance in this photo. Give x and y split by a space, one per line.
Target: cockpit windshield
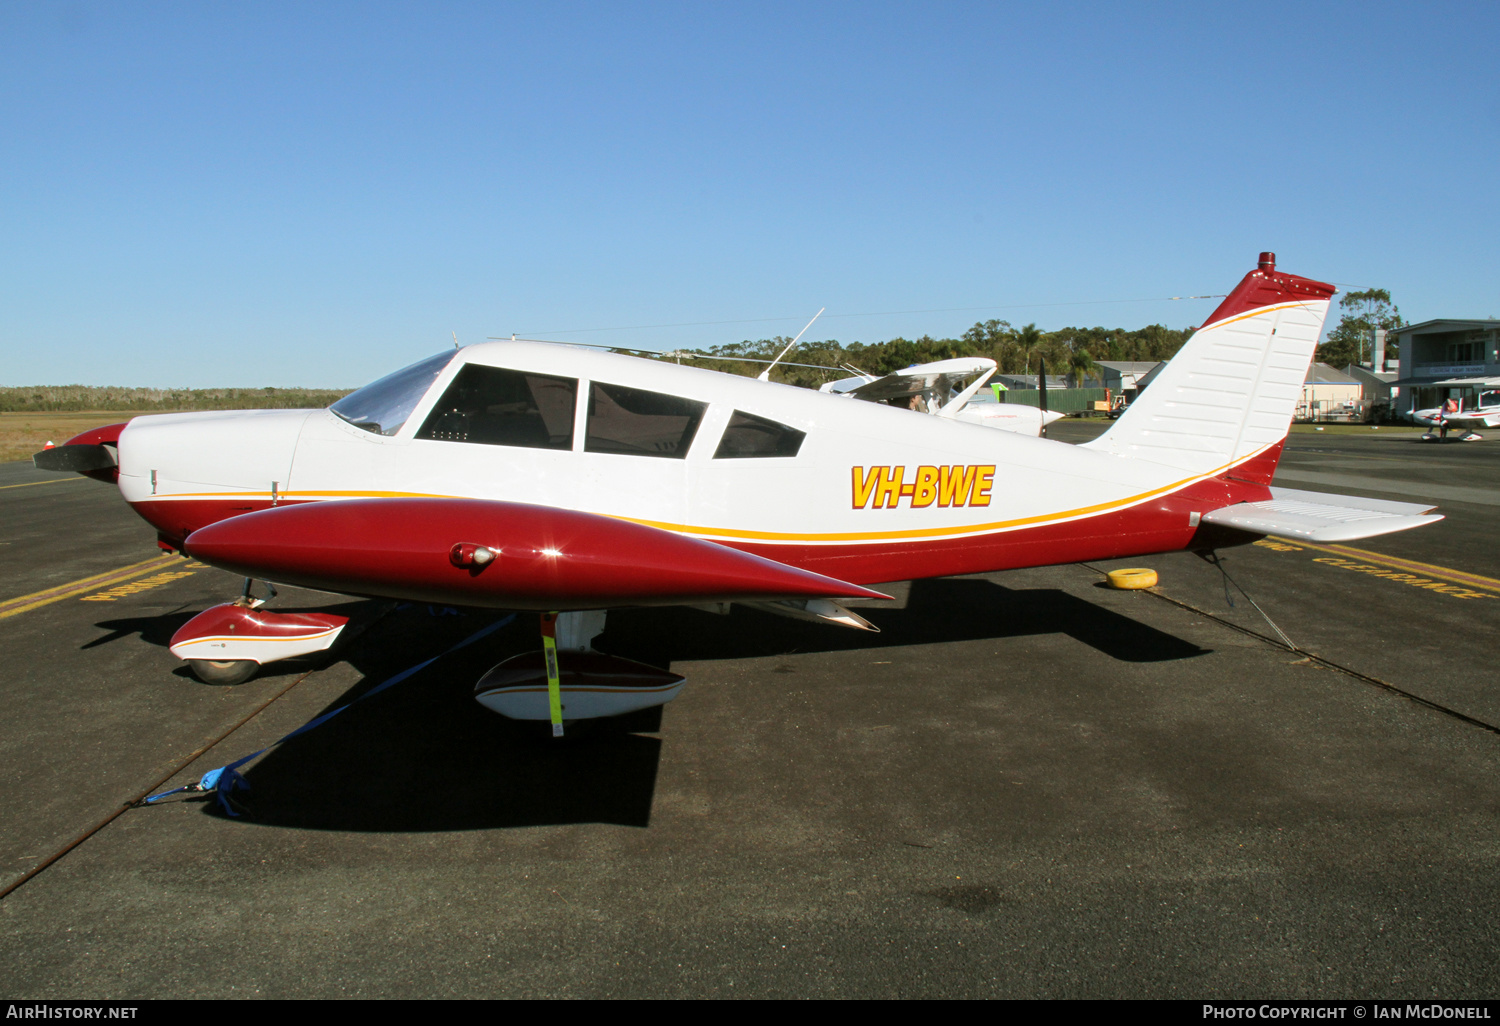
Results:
382 406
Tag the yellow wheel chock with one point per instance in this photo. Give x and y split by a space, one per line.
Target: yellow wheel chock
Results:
1132 579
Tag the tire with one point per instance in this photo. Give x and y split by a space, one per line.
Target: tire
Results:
223 671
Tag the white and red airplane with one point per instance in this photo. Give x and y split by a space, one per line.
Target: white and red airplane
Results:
1484 412
542 477
939 389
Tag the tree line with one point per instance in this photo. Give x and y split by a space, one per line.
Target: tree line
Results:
69 398
1067 351
1072 351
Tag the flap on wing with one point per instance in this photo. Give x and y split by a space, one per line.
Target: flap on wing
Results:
1320 517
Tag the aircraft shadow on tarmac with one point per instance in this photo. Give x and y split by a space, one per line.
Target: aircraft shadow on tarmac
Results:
423 756
937 611
154 630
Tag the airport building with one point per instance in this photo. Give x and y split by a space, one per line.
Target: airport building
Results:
1377 384
1330 394
1025 382
1446 359
1124 376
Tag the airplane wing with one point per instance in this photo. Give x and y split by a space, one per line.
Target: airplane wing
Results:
1021 419
489 553
942 375
1476 418
1321 517
1463 418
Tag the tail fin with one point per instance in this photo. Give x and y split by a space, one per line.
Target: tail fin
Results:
1232 389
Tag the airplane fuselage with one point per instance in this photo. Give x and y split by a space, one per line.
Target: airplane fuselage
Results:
871 494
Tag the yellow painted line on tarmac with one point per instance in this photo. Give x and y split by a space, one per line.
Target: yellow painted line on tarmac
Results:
1441 579
108 579
29 484
120 591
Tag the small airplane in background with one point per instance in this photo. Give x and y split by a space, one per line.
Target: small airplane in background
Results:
1484 413
938 389
526 476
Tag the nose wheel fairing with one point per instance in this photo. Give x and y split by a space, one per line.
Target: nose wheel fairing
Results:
235 633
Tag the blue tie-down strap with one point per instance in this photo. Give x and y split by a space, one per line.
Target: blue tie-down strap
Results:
227 779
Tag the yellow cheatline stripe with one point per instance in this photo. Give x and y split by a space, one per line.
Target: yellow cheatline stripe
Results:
972 529
1442 573
63 591
1262 310
28 484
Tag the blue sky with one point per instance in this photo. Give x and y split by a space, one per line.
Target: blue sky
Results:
313 194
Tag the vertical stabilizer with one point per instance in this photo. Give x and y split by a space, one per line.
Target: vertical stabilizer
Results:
1232 389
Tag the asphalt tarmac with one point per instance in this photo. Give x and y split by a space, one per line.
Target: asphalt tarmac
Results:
1028 785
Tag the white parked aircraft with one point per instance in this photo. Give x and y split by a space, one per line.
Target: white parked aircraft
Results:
1485 413
541 477
938 389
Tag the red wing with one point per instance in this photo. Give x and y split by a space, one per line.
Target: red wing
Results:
543 558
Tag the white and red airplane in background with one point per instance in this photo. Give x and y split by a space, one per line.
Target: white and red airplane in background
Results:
939 389
529 476
1484 412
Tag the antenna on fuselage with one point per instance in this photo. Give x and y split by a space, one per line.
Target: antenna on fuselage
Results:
1041 394
765 375
455 340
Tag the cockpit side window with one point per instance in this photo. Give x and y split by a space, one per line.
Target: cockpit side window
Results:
383 406
633 422
749 437
498 406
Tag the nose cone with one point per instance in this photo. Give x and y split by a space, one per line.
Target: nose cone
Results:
183 470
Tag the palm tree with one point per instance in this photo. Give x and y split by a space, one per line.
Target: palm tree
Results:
1081 364
1027 339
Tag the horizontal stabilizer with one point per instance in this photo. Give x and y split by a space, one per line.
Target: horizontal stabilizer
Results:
1320 517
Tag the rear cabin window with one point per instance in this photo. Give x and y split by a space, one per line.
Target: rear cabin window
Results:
496 406
749 437
633 422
